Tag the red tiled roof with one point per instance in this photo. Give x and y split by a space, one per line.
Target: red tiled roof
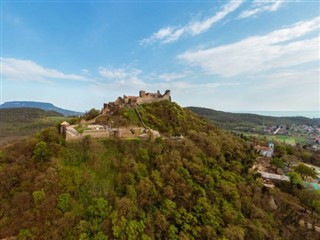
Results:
262 148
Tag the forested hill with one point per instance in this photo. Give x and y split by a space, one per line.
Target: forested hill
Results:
38 105
21 122
226 119
197 187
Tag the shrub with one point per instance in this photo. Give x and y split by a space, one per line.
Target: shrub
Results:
41 152
38 196
63 202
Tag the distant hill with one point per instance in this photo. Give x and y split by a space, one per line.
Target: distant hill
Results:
231 120
20 122
39 105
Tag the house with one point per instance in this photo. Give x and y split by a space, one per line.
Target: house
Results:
265 151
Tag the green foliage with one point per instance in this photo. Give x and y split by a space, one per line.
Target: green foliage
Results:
277 162
234 233
16 123
80 128
41 152
64 202
25 234
316 205
131 115
74 120
245 120
295 179
305 171
91 114
38 196
171 119
99 208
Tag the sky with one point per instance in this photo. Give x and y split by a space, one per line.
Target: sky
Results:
226 55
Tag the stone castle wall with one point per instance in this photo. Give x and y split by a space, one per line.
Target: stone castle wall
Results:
133 101
150 98
96 133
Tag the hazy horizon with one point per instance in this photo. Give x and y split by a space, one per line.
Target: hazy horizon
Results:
279 113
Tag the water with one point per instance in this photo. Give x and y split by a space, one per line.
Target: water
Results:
308 114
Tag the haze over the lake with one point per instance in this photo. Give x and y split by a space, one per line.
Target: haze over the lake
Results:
226 55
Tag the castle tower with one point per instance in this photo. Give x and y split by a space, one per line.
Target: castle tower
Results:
142 93
271 146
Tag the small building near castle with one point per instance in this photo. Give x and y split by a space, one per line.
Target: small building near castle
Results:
265 151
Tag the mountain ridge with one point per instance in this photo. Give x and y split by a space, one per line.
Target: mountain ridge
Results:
224 118
40 105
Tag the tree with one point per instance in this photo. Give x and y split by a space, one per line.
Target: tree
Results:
290 160
278 163
295 179
63 202
91 114
41 152
99 209
305 171
38 196
234 232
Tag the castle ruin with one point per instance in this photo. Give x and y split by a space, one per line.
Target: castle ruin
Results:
134 101
96 130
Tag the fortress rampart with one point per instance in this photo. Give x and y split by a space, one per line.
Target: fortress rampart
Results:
133 101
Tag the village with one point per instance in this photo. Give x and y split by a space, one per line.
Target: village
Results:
309 134
273 170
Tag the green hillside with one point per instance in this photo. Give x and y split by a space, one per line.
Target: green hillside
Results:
21 122
195 188
233 120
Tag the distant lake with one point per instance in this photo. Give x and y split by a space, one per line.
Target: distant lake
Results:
308 114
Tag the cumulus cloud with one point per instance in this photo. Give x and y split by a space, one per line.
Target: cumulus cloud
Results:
260 6
18 69
171 34
130 81
282 48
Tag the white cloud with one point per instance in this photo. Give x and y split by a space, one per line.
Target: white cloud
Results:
85 71
278 49
112 73
18 69
171 34
119 73
260 6
128 80
172 76
202 26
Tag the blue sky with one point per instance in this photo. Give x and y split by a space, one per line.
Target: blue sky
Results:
226 55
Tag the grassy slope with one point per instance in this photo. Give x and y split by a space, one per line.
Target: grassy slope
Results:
20 122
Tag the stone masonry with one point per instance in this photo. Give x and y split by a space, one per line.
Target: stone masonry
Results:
133 101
